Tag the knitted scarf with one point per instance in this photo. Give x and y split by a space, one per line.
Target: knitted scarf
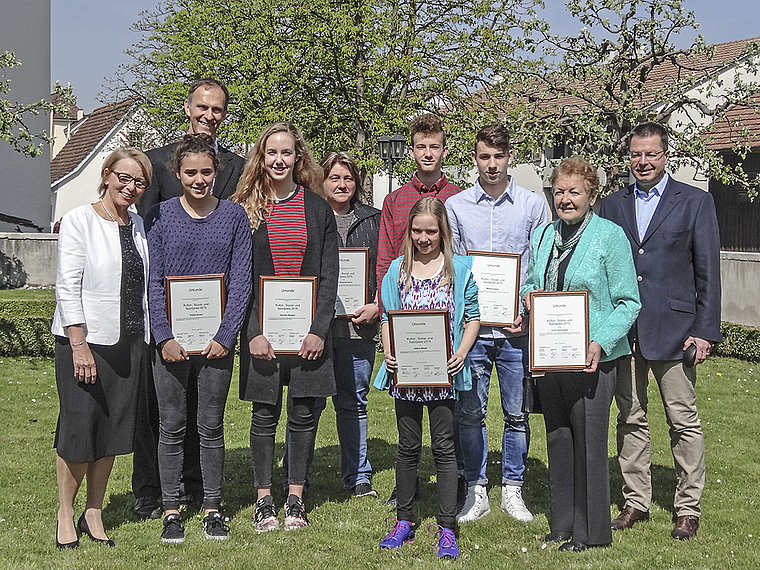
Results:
560 251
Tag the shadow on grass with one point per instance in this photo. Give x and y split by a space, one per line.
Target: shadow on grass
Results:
663 486
239 492
118 510
326 484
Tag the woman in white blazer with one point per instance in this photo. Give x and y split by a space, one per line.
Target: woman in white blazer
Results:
101 333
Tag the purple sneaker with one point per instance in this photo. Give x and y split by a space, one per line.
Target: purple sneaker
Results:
400 533
447 542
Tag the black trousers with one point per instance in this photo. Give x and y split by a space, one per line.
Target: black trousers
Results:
299 437
576 409
146 481
409 422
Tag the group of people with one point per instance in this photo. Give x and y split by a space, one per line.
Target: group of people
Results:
649 260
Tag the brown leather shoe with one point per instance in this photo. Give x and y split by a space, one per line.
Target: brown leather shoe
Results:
628 516
686 527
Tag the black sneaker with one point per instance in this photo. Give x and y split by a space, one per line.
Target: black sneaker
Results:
147 507
214 527
174 530
364 490
391 501
265 515
295 513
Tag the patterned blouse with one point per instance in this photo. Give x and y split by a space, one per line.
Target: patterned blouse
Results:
426 294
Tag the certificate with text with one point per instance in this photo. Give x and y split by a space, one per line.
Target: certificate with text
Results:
286 310
353 290
194 307
559 330
421 343
497 276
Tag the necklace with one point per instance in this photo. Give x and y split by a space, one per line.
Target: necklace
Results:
107 212
106 209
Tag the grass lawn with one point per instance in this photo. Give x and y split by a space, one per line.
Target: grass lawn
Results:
27 294
344 532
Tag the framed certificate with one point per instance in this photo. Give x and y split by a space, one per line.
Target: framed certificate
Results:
286 310
421 343
353 290
498 278
194 307
559 335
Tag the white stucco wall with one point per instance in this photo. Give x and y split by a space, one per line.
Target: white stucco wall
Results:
81 189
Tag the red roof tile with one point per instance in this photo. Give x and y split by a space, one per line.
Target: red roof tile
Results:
662 75
88 133
741 124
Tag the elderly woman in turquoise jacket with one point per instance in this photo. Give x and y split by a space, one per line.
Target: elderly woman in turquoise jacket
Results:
581 251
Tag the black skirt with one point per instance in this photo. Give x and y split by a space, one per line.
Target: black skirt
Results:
98 420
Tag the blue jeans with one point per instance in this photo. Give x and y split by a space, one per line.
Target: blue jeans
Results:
510 357
353 360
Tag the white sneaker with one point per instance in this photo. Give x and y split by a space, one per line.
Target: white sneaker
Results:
476 506
513 504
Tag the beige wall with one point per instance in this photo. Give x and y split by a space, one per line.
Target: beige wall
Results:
28 260
740 279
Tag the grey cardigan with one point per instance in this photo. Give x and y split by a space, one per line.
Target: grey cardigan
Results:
261 380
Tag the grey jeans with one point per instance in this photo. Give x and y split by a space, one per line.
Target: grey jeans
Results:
172 379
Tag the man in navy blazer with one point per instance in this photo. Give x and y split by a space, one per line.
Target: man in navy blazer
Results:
206 107
674 237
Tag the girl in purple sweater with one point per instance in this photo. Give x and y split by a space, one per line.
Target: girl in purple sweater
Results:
195 234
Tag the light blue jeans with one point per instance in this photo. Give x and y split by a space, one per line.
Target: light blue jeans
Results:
510 357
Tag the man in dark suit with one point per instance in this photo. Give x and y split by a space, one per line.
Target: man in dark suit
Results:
206 106
673 232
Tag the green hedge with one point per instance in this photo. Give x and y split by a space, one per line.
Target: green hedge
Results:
25 331
25 327
739 342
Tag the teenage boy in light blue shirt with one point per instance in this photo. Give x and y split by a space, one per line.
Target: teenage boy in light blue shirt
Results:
495 215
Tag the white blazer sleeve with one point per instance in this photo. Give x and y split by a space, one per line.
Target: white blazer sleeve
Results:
72 254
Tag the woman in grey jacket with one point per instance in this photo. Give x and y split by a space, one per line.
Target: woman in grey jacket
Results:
354 338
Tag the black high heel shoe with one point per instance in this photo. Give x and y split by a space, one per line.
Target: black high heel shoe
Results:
67 545
85 529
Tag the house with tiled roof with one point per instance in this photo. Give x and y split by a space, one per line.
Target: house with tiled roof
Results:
75 170
61 123
738 217
576 97
740 126
661 95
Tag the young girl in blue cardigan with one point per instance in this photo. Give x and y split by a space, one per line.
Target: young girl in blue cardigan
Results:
429 276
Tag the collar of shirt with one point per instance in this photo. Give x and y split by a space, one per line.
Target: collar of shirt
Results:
508 194
432 189
656 190
646 204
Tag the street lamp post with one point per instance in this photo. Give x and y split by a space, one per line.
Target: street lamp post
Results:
392 149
